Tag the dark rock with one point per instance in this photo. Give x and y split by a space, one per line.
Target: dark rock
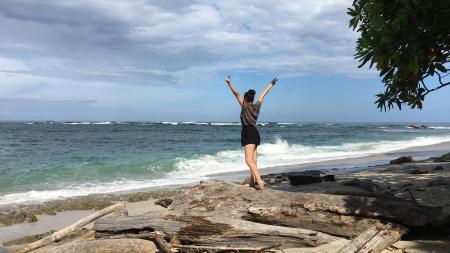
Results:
444 158
329 178
406 185
437 183
367 185
419 172
403 159
439 168
305 177
274 178
164 202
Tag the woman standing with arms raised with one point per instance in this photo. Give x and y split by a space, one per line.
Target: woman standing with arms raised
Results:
250 138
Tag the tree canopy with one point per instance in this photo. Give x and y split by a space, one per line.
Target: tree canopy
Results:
408 41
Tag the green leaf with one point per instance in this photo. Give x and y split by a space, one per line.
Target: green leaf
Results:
413 64
440 67
378 23
366 59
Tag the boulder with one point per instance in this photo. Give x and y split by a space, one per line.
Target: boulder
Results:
164 202
444 158
439 168
305 177
403 159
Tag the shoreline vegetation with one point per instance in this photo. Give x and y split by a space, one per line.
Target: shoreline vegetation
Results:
403 206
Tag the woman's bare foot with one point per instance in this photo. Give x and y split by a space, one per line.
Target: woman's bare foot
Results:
260 184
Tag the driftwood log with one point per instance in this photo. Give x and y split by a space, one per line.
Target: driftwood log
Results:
211 231
103 246
65 231
341 225
226 249
374 240
341 215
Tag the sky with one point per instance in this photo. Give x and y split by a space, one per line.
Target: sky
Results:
149 60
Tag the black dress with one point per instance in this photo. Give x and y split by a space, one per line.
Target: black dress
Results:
249 116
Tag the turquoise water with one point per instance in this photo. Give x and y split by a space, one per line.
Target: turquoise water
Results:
48 160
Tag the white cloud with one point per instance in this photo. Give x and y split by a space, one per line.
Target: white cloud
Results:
8 64
96 49
133 40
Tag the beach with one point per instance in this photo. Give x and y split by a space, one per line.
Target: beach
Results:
419 180
224 126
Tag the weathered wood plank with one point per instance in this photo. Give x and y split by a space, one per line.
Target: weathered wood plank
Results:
103 246
374 240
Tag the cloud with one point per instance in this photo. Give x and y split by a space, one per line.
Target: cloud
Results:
157 42
141 54
12 65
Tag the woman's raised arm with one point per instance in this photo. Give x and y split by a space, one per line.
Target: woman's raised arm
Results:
235 92
266 90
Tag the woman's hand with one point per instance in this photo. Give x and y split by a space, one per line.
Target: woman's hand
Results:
235 92
269 86
274 81
228 79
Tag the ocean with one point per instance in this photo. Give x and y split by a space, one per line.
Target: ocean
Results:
50 160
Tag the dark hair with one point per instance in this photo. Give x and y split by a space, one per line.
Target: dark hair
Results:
249 96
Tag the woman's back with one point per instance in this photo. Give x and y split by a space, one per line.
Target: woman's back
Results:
249 113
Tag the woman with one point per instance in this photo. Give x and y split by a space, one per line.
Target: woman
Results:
250 138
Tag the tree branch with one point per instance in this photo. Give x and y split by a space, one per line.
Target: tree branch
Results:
437 88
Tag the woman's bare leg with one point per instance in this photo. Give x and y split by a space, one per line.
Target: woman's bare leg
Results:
250 158
252 178
251 182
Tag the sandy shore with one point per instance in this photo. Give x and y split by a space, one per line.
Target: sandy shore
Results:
422 181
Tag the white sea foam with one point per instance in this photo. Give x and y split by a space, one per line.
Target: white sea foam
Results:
194 123
440 127
86 189
103 123
283 153
169 123
201 167
76 123
225 124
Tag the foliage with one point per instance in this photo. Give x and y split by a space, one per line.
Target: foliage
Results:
408 41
